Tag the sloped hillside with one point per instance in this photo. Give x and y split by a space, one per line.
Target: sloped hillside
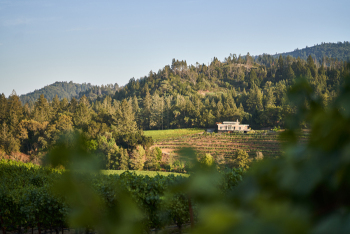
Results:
61 89
340 51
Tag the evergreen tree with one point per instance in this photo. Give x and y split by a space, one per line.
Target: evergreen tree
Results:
42 110
4 137
14 111
64 104
252 79
26 111
137 158
136 110
280 91
280 70
64 123
123 159
55 105
311 65
254 101
3 108
82 114
219 111
269 99
73 105
290 76
146 110
124 119
156 117
167 112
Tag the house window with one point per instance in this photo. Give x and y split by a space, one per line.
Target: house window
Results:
239 128
234 128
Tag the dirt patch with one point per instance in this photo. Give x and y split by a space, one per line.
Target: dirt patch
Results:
167 150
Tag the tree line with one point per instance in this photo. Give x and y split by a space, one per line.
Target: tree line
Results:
177 96
333 51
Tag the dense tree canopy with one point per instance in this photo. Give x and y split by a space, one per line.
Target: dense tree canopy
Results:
177 96
327 52
61 89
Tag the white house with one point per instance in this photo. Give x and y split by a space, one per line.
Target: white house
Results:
227 126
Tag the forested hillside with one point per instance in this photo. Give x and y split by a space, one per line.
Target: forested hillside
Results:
252 91
178 96
61 89
99 92
339 51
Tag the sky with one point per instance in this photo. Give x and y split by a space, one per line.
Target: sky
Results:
108 42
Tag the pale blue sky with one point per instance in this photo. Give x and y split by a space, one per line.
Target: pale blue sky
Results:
102 42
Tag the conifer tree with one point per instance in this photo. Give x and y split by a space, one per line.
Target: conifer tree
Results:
219 110
64 104
123 159
26 111
137 158
269 99
167 112
254 101
136 110
146 110
14 111
3 108
73 105
8 142
4 135
124 119
55 105
42 110
156 117
82 114
290 76
311 65
252 78
64 123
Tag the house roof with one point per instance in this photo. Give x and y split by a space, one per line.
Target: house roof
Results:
232 123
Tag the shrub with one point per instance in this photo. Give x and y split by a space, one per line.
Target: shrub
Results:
137 160
242 159
207 160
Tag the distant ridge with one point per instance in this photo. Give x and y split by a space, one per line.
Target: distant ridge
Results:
339 50
330 51
61 89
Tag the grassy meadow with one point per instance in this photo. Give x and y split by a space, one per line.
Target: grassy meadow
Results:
172 133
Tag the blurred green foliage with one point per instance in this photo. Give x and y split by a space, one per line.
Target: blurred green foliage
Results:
207 160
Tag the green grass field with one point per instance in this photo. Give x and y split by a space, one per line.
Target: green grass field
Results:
171 133
149 173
